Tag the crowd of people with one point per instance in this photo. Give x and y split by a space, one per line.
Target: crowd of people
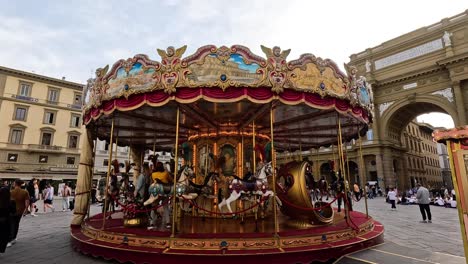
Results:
20 200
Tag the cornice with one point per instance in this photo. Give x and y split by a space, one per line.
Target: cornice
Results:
453 59
33 76
408 76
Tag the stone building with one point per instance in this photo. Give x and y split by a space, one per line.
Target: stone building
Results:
419 72
41 126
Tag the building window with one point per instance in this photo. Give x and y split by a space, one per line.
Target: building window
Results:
370 134
16 135
12 157
75 120
20 113
73 141
53 96
24 89
71 160
43 159
105 162
49 117
106 146
77 99
46 138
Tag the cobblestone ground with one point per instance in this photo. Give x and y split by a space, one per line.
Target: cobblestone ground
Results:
46 239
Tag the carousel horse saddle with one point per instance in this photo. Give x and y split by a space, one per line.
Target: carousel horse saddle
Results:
250 186
250 180
167 187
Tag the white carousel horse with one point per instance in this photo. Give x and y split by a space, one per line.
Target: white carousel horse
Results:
259 187
158 189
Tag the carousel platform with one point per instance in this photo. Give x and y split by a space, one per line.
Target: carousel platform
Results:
215 240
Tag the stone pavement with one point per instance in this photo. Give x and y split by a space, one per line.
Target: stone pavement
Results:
45 238
402 226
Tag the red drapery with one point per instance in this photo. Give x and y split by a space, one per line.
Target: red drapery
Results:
231 94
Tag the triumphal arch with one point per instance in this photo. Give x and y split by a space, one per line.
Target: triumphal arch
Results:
423 71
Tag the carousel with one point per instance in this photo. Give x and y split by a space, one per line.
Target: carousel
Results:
225 114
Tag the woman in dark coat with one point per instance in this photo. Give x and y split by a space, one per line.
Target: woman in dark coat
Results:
5 210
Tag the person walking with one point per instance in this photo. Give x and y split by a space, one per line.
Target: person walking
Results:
66 192
392 196
423 200
33 196
49 198
21 198
5 211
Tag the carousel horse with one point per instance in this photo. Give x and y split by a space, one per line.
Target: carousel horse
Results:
205 189
323 188
312 186
183 178
239 187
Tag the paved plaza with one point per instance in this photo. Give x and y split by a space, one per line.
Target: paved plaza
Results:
46 239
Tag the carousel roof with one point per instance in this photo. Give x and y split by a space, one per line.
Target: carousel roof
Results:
220 91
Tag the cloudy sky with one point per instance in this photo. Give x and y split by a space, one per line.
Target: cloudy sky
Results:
73 38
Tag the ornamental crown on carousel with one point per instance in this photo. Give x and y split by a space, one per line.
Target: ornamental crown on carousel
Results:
225 68
228 112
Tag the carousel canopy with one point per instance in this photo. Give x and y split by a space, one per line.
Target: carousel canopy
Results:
221 91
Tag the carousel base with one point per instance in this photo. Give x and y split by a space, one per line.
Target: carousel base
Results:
216 240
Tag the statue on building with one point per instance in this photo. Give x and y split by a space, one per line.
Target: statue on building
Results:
368 66
446 39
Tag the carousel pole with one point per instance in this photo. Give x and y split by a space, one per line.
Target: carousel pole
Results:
106 201
300 144
92 175
254 165
346 189
273 163
176 169
242 155
361 165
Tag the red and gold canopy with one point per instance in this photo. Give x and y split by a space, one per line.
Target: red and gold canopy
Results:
220 91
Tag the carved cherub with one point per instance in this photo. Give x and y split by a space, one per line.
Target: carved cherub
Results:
276 57
101 72
171 56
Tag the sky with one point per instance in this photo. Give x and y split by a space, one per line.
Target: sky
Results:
73 38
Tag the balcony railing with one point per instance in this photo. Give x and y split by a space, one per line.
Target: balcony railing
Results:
36 100
24 98
35 147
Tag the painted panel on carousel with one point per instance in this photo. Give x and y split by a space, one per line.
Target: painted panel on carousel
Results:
137 78
228 156
313 79
224 67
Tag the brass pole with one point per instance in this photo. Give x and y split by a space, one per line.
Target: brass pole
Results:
242 155
206 160
273 163
317 165
92 175
254 165
300 144
347 160
457 193
106 201
363 178
176 169
343 173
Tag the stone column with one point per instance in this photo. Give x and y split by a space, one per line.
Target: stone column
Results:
83 184
380 169
459 102
389 176
376 123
